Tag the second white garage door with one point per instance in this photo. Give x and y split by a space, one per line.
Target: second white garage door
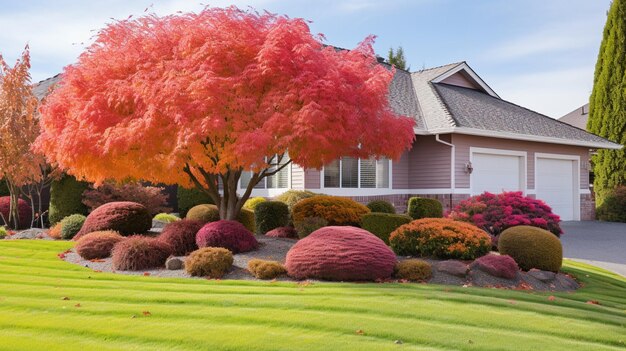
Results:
556 185
496 173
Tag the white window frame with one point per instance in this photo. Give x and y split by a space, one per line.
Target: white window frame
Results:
268 192
358 191
523 173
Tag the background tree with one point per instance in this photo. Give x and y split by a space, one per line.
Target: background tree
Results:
397 59
199 98
19 166
607 108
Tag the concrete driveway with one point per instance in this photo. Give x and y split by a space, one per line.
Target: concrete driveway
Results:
602 244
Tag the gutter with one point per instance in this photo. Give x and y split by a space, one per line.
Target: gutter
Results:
452 161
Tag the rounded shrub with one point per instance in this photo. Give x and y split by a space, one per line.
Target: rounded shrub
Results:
440 237
211 262
613 209
181 236
71 225
24 212
335 210
55 231
97 245
166 217
205 213
413 270
270 215
231 235
532 247
502 266
188 198
264 269
342 254
292 197
252 202
421 207
66 198
282 232
382 224
138 252
3 233
246 217
308 225
126 218
381 206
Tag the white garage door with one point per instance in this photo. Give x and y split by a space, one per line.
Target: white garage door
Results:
496 173
556 186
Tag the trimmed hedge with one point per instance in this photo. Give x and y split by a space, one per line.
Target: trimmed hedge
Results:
263 269
270 215
166 217
252 202
292 197
71 225
246 217
230 235
381 206
24 211
188 198
382 224
334 209
97 245
413 270
127 218
532 247
308 225
210 262
181 236
66 198
139 252
613 209
421 207
204 213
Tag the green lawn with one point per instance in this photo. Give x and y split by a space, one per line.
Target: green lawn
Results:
189 314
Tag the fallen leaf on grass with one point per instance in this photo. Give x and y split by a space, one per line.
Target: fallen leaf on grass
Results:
551 298
147 313
593 302
360 332
97 260
65 298
77 305
146 273
513 302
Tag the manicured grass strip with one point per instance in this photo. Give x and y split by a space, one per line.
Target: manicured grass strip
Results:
188 314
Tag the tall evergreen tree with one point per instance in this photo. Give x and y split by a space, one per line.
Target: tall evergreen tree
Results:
396 58
607 108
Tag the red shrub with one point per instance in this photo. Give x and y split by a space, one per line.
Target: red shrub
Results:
282 232
152 197
23 208
502 266
231 235
97 244
140 252
495 213
341 253
181 236
127 218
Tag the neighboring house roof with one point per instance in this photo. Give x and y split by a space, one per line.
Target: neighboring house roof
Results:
578 117
42 88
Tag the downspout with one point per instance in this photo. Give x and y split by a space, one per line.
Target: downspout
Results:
452 166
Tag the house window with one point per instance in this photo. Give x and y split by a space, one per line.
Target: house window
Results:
349 172
280 180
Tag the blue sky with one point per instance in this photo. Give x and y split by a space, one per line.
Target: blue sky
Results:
537 53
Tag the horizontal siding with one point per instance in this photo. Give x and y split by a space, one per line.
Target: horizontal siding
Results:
429 163
297 177
400 172
312 178
464 142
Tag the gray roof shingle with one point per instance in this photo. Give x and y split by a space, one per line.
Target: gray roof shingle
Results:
42 88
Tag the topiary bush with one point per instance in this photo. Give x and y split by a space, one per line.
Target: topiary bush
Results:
252 202
413 270
613 209
97 245
231 235
188 198
282 232
495 213
334 209
127 218
205 213
246 217
138 252
152 197
166 217
502 266
532 247
292 197
382 224
181 236
342 254
381 206
308 225
264 269
24 211
66 198
440 237
71 225
270 215
211 262
421 207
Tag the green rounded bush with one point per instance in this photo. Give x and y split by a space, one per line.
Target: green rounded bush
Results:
211 262
421 207
205 213
381 206
246 217
166 217
188 198
532 247
71 225
309 225
3 232
292 197
252 202
382 224
413 270
613 209
66 198
271 215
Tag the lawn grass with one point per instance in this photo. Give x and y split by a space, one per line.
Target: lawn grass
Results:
197 314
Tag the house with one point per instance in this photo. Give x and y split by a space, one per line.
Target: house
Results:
577 118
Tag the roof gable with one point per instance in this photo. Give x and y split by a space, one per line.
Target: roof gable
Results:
464 72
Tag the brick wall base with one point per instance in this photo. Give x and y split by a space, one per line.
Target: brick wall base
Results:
587 207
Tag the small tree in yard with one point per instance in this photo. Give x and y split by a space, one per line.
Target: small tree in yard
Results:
198 98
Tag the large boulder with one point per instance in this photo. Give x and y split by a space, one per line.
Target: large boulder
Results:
341 253
124 217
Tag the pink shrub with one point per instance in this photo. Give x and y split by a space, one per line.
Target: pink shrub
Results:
231 235
23 209
138 252
127 218
282 232
181 236
97 244
341 253
496 212
152 197
502 266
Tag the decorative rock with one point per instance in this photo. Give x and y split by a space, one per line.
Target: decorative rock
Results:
341 253
501 266
32 233
478 277
544 276
158 224
282 232
566 282
174 263
453 267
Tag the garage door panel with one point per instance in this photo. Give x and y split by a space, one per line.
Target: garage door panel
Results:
555 185
495 173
